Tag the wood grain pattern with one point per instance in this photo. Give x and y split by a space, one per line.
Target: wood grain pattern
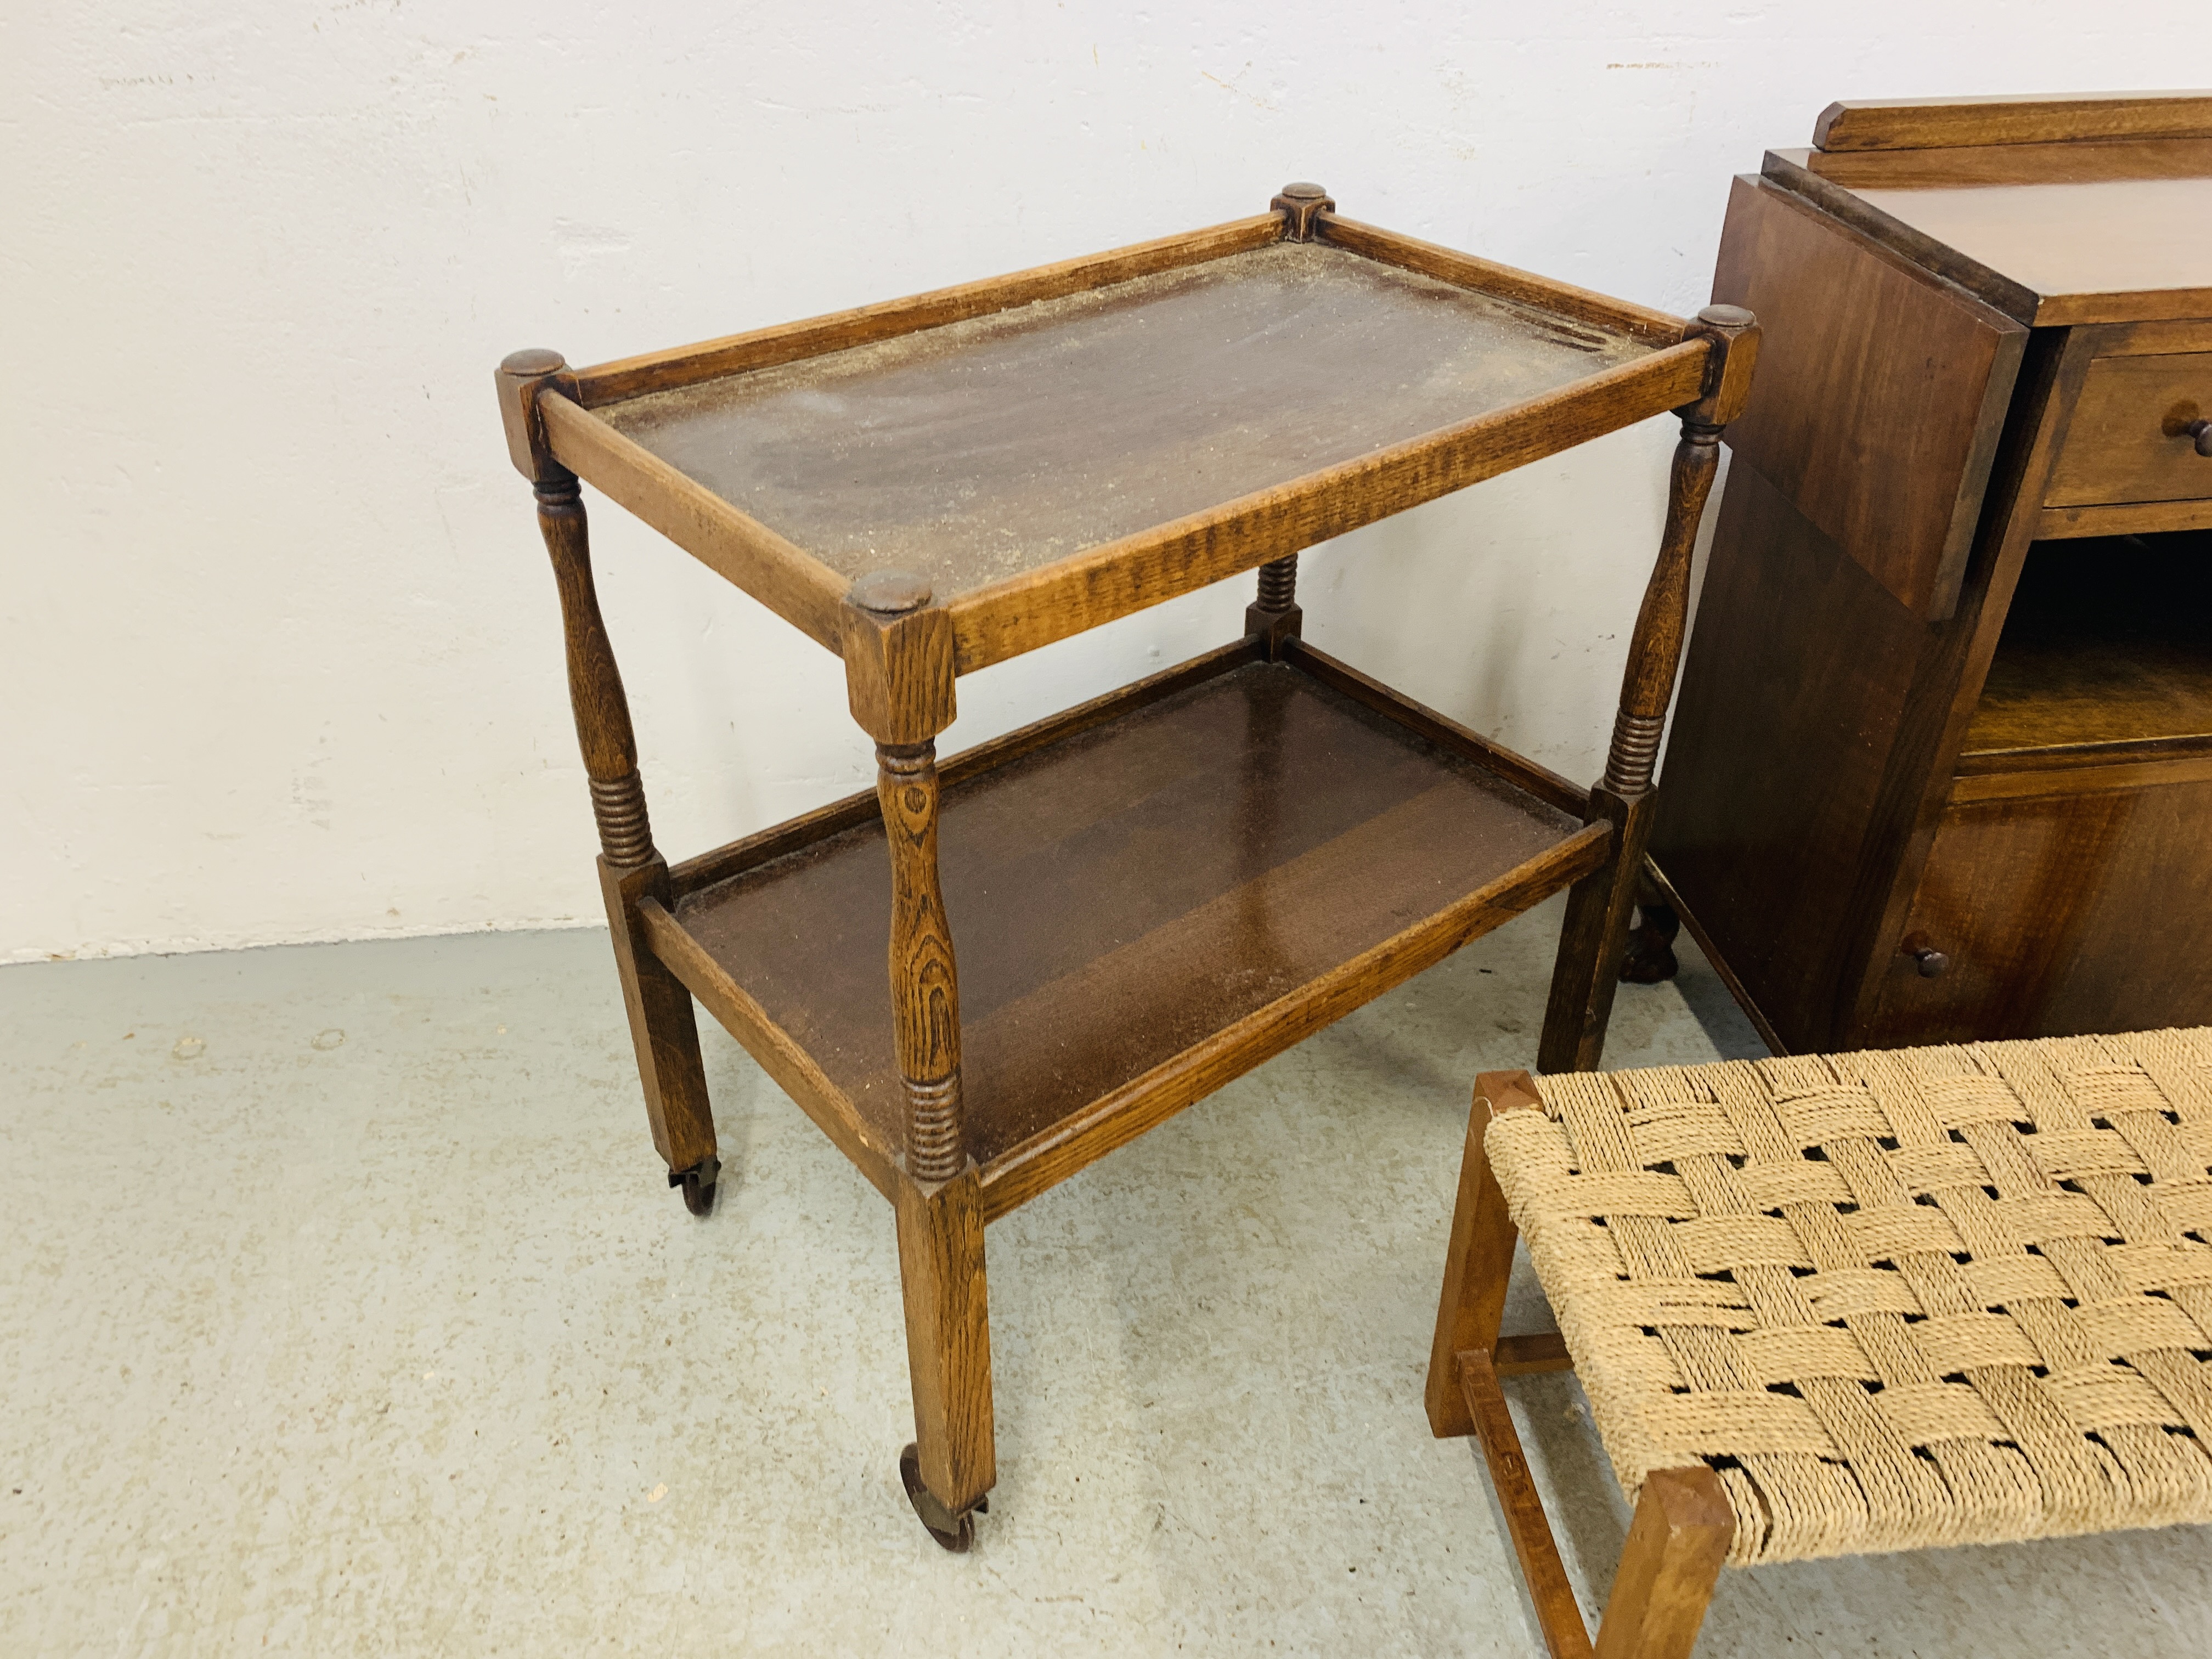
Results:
1667 896
1929 122
924 985
2105 642
1793 687
1541 781
1654 649
1119 578
1678 1540
970 453
1044 1161
764 347
596 698
1948 676
1478 1262
1881 397
1793 170
771 1046
2054 255
1600 311
1593 937
1531 1354
1558 1614
2157 337
2131 439
2078 770
1826 740
2062 909
2138 519
800 589
663 1029
1123 896
948 1338
2081 163
795 834
898 673
521 379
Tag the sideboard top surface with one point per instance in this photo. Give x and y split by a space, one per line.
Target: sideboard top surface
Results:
976 451
2102 250
2059 210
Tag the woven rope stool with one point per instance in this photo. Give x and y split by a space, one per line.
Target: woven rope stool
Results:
1837 1305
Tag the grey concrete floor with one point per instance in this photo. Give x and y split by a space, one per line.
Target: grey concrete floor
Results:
345 1311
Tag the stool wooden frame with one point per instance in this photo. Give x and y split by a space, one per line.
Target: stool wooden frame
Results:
1844 1304
1683 1526
958 1122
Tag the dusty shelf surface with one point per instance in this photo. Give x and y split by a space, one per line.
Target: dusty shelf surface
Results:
976 451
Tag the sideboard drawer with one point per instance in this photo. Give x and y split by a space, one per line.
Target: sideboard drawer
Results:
2131 437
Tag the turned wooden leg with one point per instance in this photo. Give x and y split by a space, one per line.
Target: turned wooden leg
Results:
1595 936
1676 1545
898 663
1274 616
663 1030
953 1462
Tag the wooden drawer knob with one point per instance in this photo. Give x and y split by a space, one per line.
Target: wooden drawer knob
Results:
1929 962
2202 431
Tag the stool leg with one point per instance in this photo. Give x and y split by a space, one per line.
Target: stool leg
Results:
1676 1545
1478 1263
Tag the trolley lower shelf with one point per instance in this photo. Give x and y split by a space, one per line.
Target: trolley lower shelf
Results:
1149 896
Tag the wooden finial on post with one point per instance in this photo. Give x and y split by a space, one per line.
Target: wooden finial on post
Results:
1298 204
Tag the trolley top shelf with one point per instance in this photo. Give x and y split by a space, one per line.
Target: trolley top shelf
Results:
1050 450
986 448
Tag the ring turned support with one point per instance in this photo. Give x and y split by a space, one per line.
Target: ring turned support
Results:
663 1030
1595 938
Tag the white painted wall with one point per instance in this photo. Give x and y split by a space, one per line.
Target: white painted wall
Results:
281 651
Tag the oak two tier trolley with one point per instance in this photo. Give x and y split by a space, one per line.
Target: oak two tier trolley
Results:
1097 920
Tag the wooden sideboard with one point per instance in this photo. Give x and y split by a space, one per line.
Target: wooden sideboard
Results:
1942 764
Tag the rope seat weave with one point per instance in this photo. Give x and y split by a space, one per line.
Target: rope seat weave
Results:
1898 1300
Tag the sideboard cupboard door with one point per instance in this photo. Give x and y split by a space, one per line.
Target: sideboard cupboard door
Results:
1883 392
2059 901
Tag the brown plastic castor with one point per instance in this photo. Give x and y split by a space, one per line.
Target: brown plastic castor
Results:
698 1184
953 1532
